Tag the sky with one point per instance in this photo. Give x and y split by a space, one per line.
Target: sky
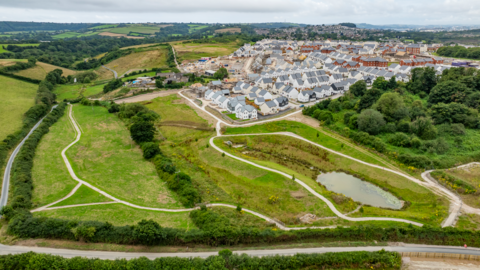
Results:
419 12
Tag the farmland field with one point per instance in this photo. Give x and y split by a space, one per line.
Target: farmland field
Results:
194 51
156 58
40 71
133 28
229 30
2 50
104 26
74 34
17 98
108 34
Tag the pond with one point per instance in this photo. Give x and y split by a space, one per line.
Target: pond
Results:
358 190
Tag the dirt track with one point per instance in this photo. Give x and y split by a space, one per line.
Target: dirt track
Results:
146 97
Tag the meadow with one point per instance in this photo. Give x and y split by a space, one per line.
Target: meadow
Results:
104 26
74 34
41 70
17 98
107 158
51 179
133 28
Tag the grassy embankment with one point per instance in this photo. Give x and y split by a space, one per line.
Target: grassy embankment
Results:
17 98
470 176
194 51
424 208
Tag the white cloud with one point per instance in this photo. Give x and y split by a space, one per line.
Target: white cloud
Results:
300 11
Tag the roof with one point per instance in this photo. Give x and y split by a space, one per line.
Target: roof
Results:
225 91
271 104
216 82
260 100
252 95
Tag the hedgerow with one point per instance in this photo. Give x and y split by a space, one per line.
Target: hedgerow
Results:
225 260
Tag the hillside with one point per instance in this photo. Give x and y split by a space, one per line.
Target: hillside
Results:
17 98
41 69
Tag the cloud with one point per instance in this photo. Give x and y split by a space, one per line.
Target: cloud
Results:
224 11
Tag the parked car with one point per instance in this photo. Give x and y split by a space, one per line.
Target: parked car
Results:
301 106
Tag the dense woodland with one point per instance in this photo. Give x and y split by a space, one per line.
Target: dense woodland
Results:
42 26
460 52
432 121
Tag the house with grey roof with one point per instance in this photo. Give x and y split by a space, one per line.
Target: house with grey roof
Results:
259 101
269 107
290 92
246 112
282 103
209 94
306 96
252 96
265 94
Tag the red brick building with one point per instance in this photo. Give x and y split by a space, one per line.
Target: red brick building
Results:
413 49
309 48
327 50
374 62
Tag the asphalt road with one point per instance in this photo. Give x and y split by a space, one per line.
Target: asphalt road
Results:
114 72
8 169
67 253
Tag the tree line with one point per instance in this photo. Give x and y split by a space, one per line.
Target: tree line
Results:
429 115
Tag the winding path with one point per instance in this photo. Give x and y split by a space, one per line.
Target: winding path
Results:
114 72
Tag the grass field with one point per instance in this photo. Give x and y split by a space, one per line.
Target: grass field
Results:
107 158
17 98
120 215
229 30
72 91
2 50
156 58
51 179
104 26
74 34
223 179
10 62
194 51
195 27
139 46
84 195
133 28
40 71
147 74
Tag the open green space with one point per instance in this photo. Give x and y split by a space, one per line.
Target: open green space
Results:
223 179
74 34
120 215
2 49
195 27
84 195
17 98
465 181
73 91
146 74
107 158
104 26
232 116
51 180
133 28
300 157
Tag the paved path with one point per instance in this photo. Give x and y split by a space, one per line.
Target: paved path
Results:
8 168
431 185
68 253
114 72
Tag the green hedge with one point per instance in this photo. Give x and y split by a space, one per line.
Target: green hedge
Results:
21 78
226 260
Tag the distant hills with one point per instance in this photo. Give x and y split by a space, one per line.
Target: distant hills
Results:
42 26
404 26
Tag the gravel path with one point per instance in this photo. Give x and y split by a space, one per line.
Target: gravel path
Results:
114 72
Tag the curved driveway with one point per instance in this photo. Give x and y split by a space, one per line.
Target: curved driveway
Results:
114 72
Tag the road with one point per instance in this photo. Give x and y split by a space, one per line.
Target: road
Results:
8 168
114 72
67 253
175 58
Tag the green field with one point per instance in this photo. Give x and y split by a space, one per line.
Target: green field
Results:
74 34
147 74
17 98
120 215
195 27
104 26
424 205
73 91
2 50
107 158
84 195
133 28
51 179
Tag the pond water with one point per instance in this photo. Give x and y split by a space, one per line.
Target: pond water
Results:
358 190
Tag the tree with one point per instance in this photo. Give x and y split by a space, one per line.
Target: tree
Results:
150 150
159 83
380 83
112 85
424 128
370 97
389 104
32 60
392 83
142 131
335 106
221 74
359 88
114 108
370 121
448 92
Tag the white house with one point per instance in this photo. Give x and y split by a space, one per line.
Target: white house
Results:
209 94
265 94
246 112
269 107
290 92
306 96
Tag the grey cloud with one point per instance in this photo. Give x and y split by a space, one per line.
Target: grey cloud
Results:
162 6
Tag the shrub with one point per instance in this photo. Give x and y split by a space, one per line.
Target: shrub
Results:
150 150
142 131
370 121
